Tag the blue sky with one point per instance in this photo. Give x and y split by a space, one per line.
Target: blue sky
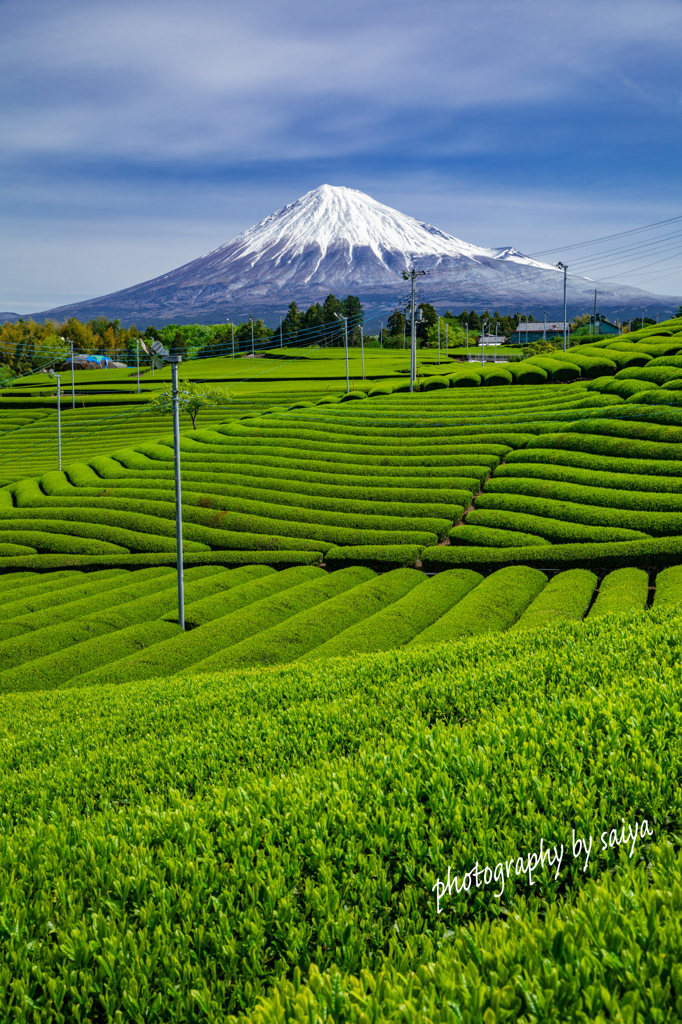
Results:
137 136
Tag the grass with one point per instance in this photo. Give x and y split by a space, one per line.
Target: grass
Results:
263 845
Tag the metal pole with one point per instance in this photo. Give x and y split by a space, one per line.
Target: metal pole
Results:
73 386
178 494
439 341
594 318
362 348
345 334
446 344
413 331
137 352
495 349
233 341
544 327
253 346
280 332
59 419
565 324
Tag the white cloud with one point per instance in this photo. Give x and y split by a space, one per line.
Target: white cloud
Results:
180 80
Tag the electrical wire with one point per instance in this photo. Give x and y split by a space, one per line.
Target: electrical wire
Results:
605 238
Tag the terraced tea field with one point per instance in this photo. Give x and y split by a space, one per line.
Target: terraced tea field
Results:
115 626
426 633
550 477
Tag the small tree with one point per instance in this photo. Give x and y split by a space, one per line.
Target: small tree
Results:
191 399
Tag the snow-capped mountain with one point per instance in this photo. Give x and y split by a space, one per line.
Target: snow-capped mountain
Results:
337 239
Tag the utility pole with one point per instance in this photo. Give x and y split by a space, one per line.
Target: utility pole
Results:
439 341
544 327
253 348
345 334
280 331
564 267
160 355
482 341
362 349
412 275
73 386
594 318
467 327
58 378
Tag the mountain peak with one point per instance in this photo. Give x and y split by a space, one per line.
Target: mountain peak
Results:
338 239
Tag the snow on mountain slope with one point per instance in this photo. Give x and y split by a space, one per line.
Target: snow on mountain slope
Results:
337 239
329 216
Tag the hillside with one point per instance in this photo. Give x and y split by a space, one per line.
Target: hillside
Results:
432 645
174 849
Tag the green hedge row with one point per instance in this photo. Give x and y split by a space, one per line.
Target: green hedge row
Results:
566 596
303 589
287 641
30 583
656 524
585 460
10 550
262 582
667 361
605 497
591 365
53 655
465 379
51 593
591 477
613 447
557 531
259 527
558 370
92 563
490 537
622 590
37 634
261 501
421 458
651 374
622 388
525 372
203 538
620 358
319 470
376 556
655 551
495 604
59 543
401 621
668 587
619 426
662 396
121 539
328 485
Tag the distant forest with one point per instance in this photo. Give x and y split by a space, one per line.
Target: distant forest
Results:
26 345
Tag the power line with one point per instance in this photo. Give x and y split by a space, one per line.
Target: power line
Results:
605 238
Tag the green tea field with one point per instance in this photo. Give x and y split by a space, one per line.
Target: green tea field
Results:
415 757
